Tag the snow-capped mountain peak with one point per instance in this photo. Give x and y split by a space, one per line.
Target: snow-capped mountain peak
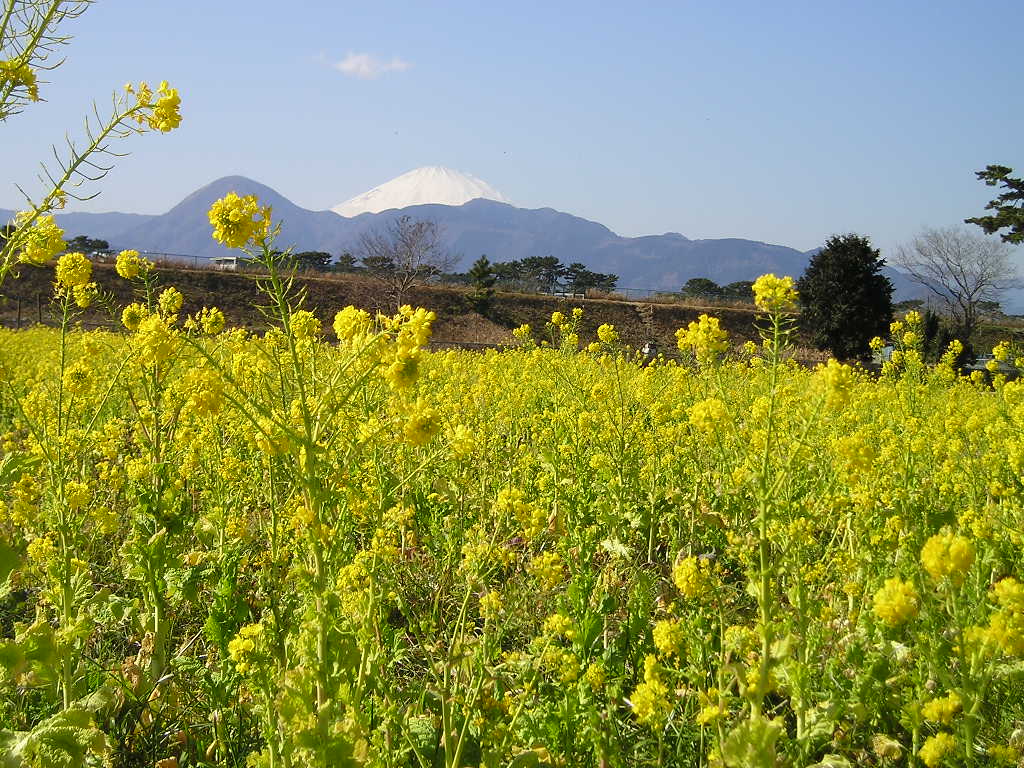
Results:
430 184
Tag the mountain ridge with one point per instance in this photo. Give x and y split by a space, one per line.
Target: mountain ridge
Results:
480 226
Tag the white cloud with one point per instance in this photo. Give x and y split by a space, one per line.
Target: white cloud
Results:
366 66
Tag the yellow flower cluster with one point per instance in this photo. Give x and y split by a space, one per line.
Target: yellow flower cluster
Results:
169 302
947 556
413 331
206 390
856 453
460 438
165 114
491 605
708 415
351 324
39 242
422 423
836 380
77 495
650 700
246 647
595 676
704 338
238 221
942 710
774 294
531 518
167 111
896 602
304 325
85 295
607 334
414 328
77 378
155 339
1005 629
935 748
562 663
548 569
73 269
713 707
15 73
210 320
133 315
693 577
41 551
668 635
73 273
130 264
558 625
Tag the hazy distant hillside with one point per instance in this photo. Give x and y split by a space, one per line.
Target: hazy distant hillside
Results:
114 224
186 227
480 226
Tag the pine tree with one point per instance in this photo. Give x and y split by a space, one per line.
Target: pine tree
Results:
845 299
482 277
1008 207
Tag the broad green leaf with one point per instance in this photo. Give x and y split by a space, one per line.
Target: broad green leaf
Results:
751 744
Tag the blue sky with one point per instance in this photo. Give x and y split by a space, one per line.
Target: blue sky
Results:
782 121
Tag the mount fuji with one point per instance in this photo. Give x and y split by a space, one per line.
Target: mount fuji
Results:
433 184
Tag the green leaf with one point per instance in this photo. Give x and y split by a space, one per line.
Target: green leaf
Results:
34 649
12 658
751 744
63 741
9 561
782 648
819 726
424 737
613 546
528 759
832 761
13 466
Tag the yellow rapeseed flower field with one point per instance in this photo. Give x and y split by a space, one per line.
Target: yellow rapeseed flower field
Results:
220 548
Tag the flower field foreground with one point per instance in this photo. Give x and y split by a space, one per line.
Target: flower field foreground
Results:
224 549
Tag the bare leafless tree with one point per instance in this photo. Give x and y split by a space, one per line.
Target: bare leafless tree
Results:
964 270
405 252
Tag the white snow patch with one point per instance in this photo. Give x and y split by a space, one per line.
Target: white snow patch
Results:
423 186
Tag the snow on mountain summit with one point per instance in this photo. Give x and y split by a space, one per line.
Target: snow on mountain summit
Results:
431 184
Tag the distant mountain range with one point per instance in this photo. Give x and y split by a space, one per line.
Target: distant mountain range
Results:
479 226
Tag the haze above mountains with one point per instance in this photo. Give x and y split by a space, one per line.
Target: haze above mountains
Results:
475 218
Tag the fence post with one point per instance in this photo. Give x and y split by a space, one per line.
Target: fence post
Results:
19 313
39 308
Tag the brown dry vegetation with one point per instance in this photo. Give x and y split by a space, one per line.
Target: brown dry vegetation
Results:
235 293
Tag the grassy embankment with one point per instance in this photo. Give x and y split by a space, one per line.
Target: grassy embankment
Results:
235 293
457 323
